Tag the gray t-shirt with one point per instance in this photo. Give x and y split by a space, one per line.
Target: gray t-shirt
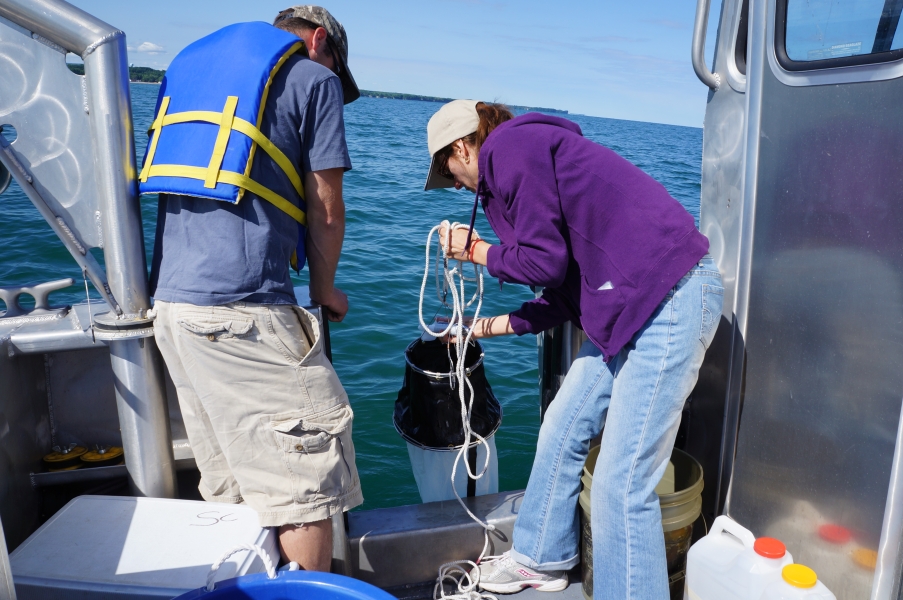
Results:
209 252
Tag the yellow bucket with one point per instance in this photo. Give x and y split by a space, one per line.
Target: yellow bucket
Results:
680 497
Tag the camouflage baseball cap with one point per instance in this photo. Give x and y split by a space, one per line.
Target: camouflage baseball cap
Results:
320 16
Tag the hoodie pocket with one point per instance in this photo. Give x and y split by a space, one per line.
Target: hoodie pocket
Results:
603 294
599 309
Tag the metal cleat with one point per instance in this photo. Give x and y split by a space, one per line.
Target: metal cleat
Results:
40 292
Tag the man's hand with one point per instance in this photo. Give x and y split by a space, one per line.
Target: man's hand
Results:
336 307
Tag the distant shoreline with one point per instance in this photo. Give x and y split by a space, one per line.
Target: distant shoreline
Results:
155 77
399 96
136 74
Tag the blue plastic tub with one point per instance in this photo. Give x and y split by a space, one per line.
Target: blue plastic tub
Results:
290 585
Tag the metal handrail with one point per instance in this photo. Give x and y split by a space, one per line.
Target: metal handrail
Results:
137 365
713 80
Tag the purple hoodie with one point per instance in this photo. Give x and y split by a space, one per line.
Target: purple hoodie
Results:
605 240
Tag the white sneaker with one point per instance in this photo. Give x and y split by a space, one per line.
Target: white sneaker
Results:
504 575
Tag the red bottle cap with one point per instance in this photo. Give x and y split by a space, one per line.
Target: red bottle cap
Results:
770 547
834 534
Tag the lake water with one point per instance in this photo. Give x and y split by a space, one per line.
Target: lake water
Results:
388 218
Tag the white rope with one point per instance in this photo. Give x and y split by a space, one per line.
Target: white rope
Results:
267 563
452 280
465 585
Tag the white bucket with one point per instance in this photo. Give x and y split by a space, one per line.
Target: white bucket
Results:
432 469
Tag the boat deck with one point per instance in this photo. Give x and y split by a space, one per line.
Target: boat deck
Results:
424 591
392 547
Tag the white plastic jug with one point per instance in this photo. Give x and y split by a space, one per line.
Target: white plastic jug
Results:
798 582
730 564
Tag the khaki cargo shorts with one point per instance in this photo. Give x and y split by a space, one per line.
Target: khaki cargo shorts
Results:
267 418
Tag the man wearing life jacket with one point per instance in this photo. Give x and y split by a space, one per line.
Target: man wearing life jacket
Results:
247 153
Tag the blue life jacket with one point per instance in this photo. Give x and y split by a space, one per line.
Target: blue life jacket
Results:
206 127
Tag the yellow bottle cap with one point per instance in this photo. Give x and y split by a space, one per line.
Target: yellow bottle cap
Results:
865 558
799 576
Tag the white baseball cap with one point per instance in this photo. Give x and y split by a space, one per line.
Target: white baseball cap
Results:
455 120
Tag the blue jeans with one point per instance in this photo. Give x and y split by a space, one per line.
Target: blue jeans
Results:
638 396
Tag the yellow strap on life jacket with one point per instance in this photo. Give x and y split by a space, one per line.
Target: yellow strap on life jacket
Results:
222 140
232 178
296 47
242 126
155 129
243 182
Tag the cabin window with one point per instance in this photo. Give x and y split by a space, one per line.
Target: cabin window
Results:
818 34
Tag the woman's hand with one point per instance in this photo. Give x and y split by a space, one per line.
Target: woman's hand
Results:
478 246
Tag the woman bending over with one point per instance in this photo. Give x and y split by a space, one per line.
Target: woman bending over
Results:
622 259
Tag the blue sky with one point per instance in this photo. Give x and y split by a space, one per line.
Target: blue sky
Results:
623 60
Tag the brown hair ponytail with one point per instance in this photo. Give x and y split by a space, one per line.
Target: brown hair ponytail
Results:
491 116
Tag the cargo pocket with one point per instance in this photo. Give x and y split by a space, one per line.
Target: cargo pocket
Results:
214 327
321 383
712 303
292 332
314 450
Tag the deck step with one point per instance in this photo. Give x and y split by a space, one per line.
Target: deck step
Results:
392 547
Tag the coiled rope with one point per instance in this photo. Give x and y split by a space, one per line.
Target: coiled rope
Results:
452 280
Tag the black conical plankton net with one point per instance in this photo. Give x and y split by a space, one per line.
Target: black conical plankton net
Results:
428 409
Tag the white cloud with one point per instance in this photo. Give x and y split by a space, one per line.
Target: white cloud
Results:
150 48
